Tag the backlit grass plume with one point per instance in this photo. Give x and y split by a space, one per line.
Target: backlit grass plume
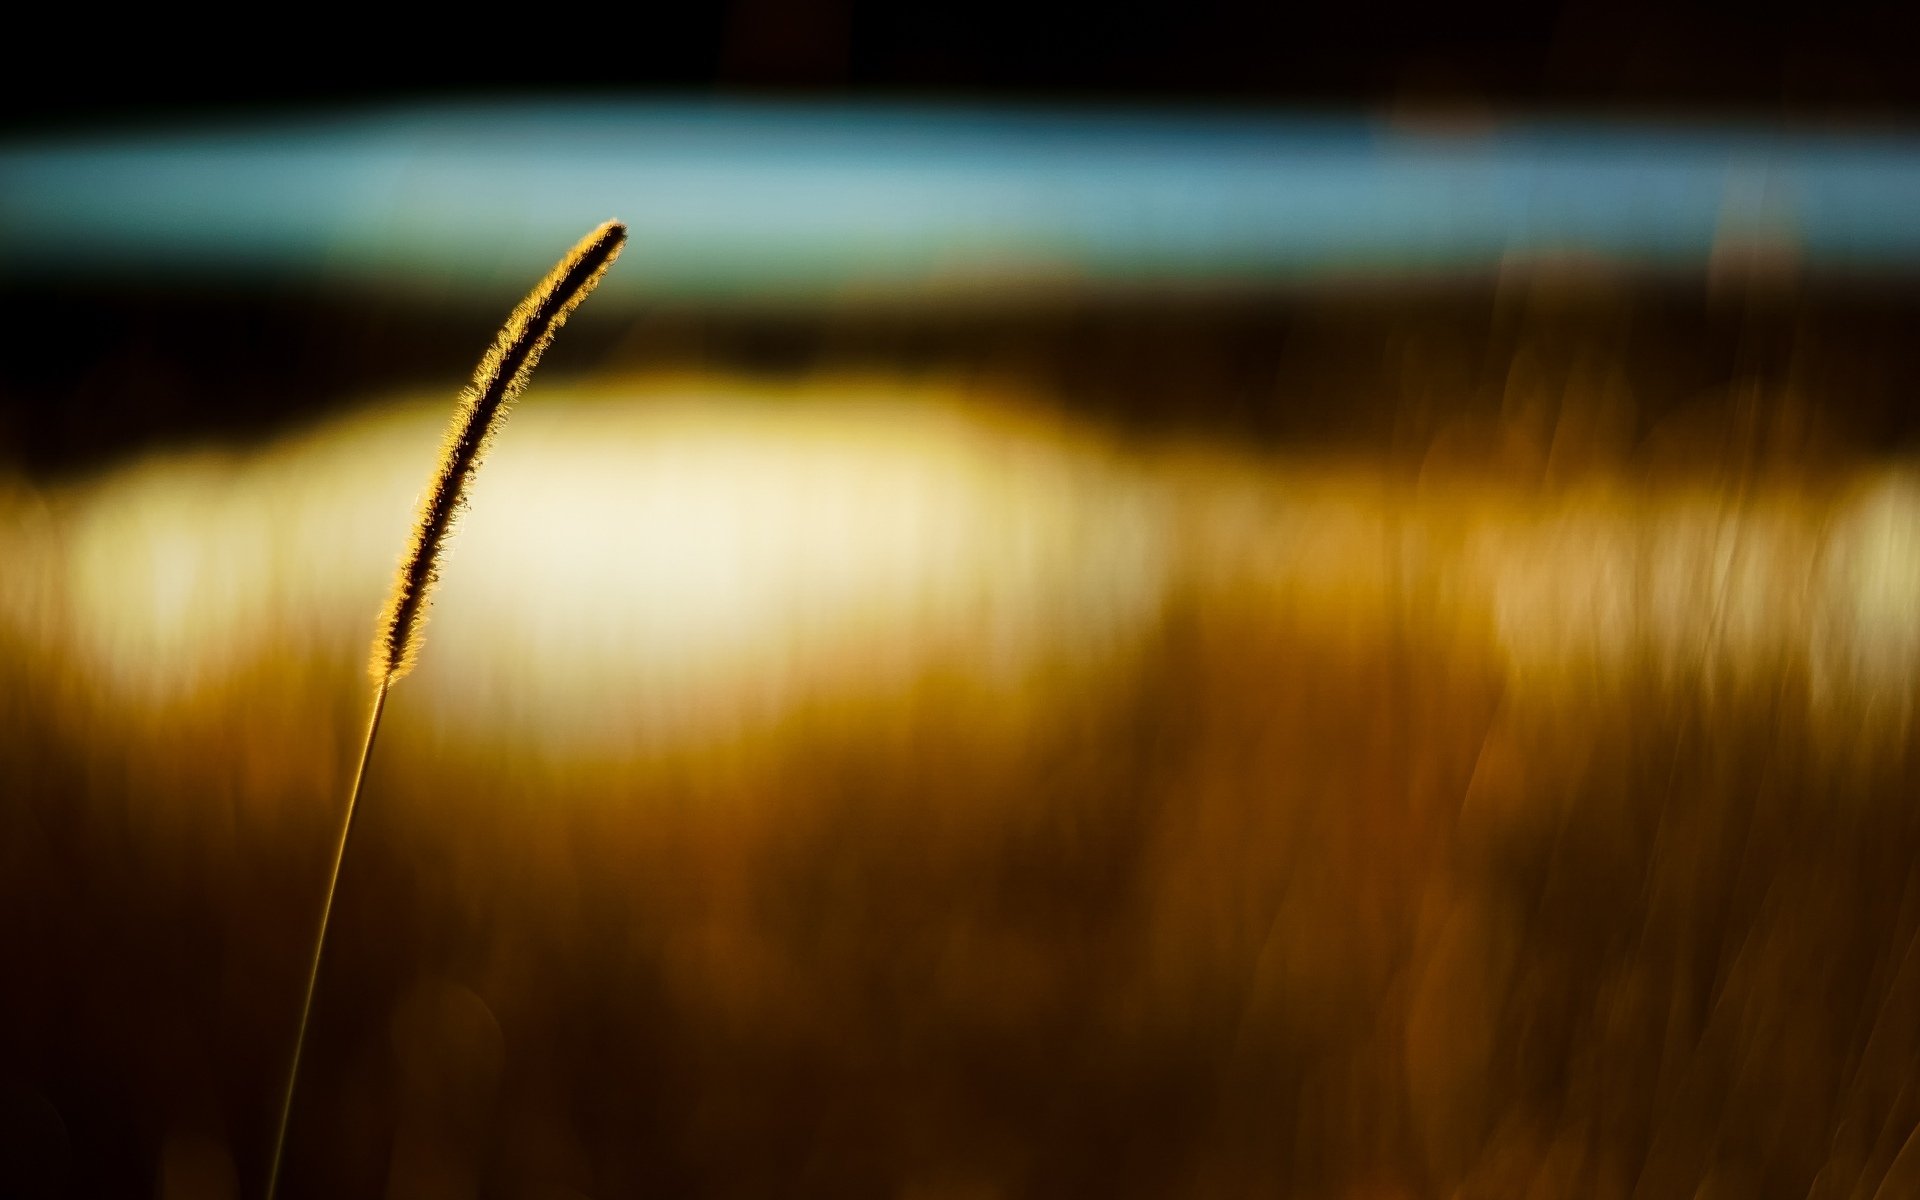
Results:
501 376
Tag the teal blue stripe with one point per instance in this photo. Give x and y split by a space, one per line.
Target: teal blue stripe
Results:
763 202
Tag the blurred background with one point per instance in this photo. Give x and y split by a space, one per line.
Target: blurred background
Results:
1178 601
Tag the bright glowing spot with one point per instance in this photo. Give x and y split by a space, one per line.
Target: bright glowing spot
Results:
679 567
648 563
669 563
1870 635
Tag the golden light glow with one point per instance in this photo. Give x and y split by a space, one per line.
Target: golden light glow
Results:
664 561
657 562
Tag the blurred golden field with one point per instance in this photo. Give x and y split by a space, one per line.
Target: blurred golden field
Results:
902 782
1010 653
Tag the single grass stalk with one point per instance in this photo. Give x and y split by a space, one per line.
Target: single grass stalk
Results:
501 376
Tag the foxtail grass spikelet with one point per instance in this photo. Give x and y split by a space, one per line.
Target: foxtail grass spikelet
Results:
501 376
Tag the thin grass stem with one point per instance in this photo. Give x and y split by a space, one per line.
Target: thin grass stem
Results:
320 938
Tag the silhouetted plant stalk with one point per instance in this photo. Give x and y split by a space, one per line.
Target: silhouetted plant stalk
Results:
501 376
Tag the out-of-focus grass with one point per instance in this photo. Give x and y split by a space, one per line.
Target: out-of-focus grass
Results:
878 788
